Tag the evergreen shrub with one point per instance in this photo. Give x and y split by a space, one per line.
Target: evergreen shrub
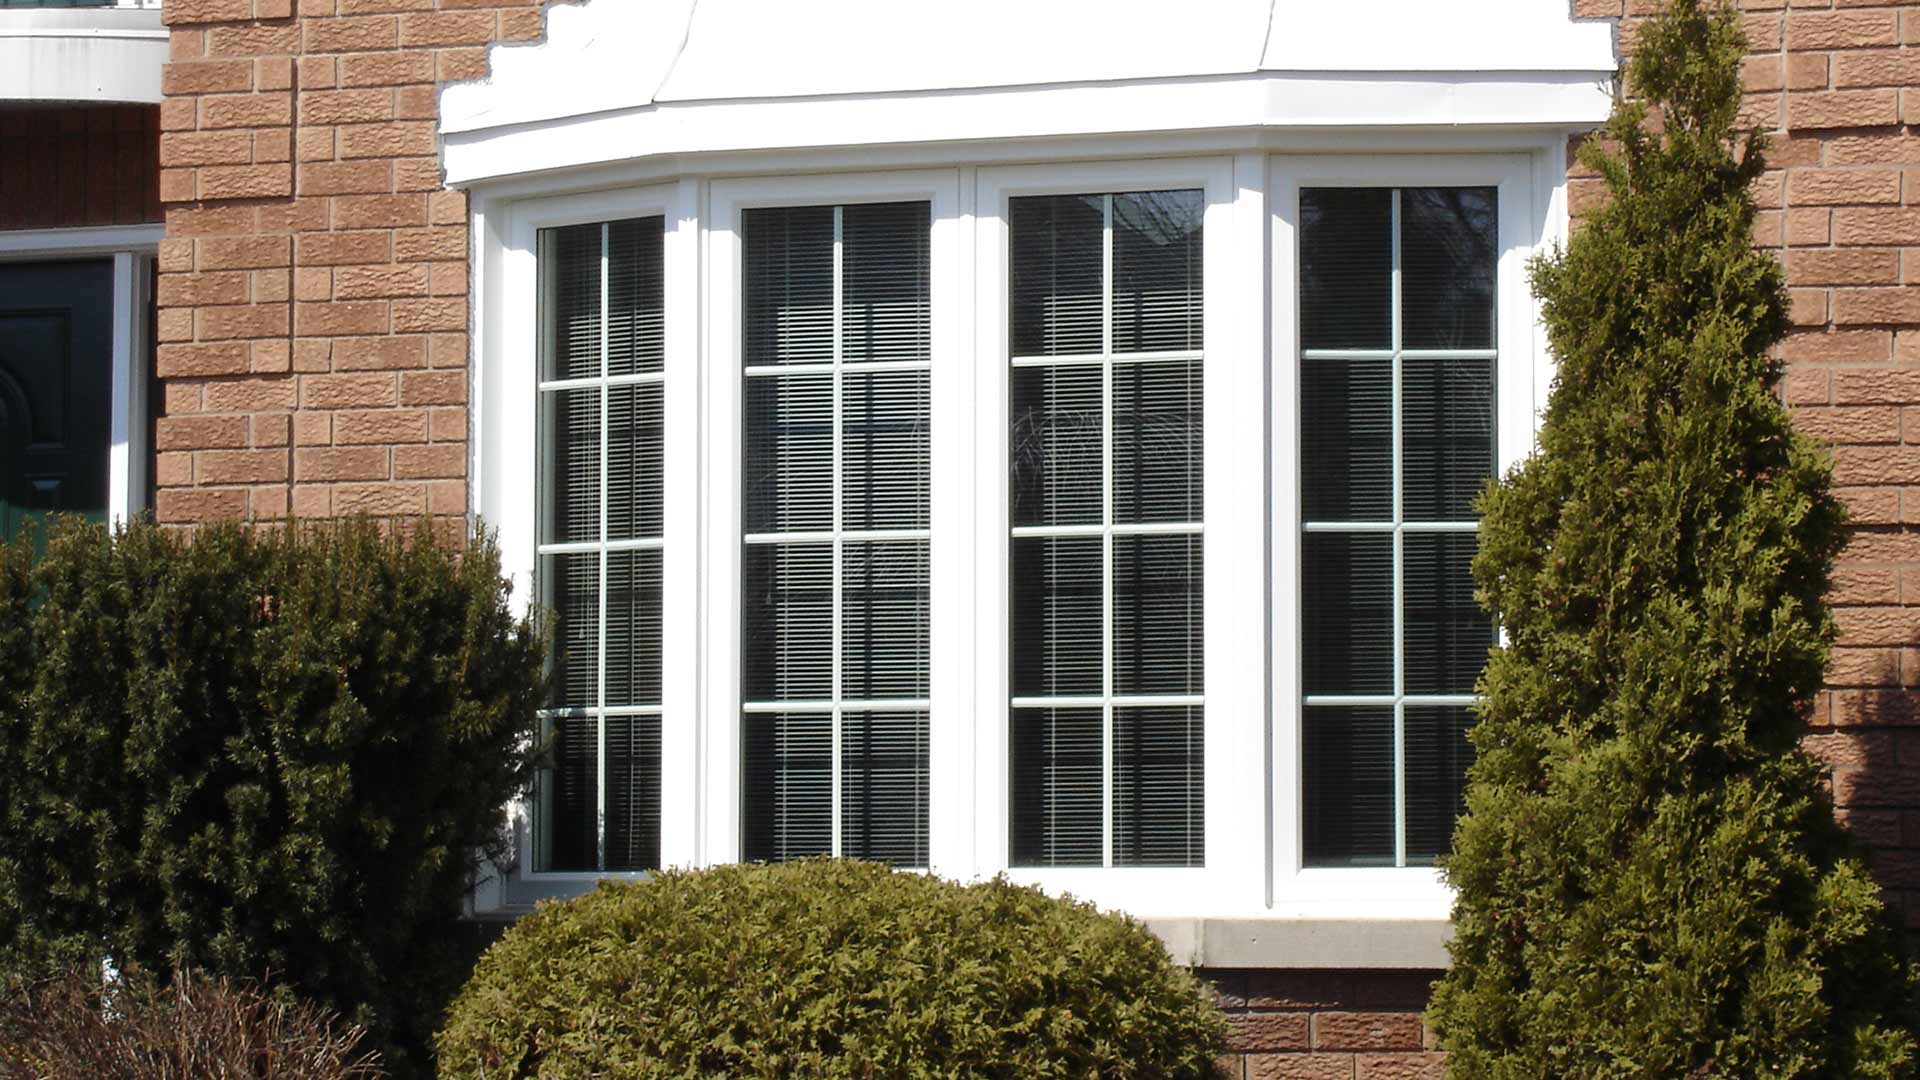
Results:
196 1027
1651 882
258 752
827 968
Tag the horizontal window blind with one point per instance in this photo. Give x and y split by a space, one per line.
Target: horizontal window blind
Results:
1397 365
599 501
1105 652
835 498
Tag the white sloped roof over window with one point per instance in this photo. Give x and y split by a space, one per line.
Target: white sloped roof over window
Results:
910 70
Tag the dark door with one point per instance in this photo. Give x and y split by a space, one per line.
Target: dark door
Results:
56 373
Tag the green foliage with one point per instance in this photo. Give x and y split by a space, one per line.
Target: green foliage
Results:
1651 882
259 752
827 968
77 1027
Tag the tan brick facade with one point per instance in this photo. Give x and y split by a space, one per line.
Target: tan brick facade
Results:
313 283
1323 1025
313 352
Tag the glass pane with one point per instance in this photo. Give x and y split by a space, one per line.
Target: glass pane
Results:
788 470
1159 787
1447 449
1056 793
787 786
1447 634
1157 271
883 787
1157 448
1054 450
884 470
1448 253
1437 754
884 282
1348 804
1057 272
788 272
788 600
884 637
570 338
633 792
1056 598
1346 440
570 594
634 461
571 830
1346 589
1157 615
633 627
636 296
570 466
1346 268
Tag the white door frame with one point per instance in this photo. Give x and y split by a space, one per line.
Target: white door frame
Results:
132 249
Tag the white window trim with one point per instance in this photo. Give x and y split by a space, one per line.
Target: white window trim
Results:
1374 892
132 249
1253 821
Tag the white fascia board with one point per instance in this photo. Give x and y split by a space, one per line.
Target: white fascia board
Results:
1421 35
81 54
681 132
744 49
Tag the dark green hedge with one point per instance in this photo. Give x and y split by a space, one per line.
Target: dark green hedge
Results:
261 752
827 968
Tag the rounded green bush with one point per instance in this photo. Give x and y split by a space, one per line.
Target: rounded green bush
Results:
827 968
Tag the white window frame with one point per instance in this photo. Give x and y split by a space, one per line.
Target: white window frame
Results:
1253 867
722 367
507 471
132 250
1374 892
1232 545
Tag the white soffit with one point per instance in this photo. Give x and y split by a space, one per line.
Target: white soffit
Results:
93 54
619 80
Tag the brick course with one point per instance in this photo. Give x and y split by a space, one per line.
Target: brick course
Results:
313 284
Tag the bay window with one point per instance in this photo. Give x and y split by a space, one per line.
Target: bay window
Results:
1101 523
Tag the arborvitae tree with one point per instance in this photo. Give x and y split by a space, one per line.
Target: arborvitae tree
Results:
1650 879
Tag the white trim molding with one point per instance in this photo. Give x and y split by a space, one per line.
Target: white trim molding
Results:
617 81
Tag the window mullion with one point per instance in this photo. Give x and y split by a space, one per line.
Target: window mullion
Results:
1106 539
839 572
1399 564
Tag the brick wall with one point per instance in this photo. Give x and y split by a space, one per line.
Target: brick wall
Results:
313 283
1327 1025
63 166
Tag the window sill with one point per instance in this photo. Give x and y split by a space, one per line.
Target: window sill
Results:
1406 944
